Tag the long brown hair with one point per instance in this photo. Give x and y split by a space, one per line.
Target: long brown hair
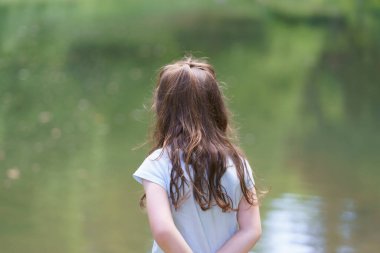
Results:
192 121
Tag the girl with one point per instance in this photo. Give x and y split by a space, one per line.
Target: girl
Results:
199 190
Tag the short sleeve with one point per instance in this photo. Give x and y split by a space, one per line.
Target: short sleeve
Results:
152 169
248 176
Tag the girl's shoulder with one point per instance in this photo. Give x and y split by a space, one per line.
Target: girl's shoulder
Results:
160 154
154 168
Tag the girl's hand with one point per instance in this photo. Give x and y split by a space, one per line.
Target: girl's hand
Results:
249 229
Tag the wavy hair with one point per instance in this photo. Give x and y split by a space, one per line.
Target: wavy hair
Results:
192 122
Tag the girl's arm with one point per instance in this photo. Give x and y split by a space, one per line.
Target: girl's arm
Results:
161 222
249 229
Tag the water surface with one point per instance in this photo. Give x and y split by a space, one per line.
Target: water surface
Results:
76 77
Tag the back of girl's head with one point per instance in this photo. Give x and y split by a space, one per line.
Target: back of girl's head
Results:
189 105
192 123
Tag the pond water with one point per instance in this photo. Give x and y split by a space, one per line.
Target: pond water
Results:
76 79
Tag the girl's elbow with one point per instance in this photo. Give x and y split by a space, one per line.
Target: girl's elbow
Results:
161 235
255 235
258 234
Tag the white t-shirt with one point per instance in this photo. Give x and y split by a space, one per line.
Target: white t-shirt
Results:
204 231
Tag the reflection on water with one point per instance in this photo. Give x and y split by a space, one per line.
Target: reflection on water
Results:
347 219
294 225
297 224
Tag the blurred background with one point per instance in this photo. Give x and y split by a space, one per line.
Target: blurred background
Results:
302 78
